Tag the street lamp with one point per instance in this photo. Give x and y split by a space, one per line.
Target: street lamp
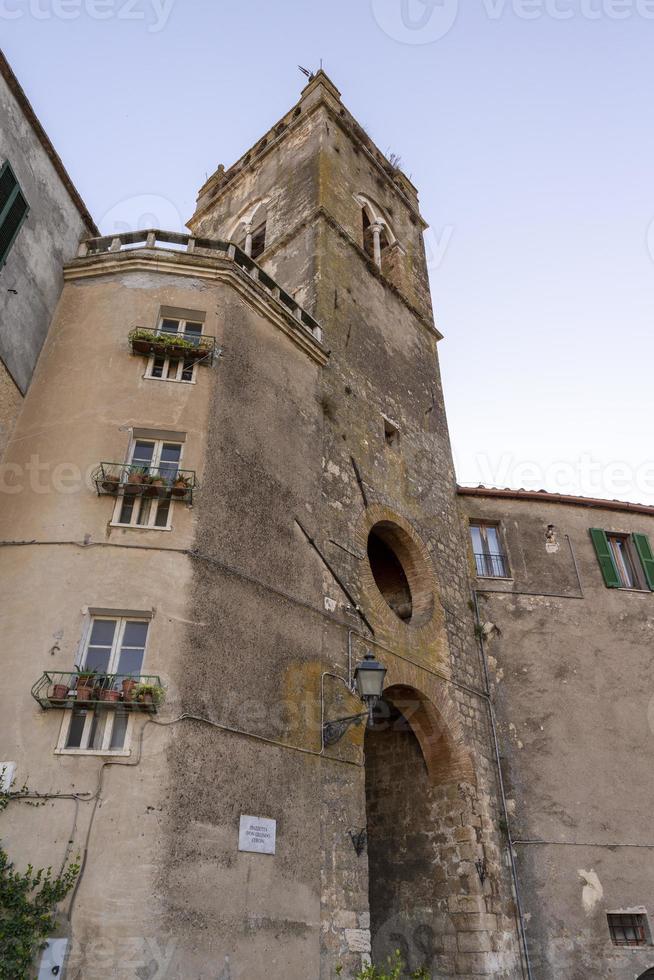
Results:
369 679
369 683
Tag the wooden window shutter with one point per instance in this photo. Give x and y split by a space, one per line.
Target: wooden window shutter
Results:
605 558
13 210
644 549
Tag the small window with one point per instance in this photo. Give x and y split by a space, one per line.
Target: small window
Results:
258 241
628 929
626 560
170 368
13 210
490 560
372 247
114 650
151 458
391 433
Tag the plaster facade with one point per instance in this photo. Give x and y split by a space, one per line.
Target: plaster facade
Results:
31 276
569 661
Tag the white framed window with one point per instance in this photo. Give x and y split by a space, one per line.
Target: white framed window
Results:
113 650
490 560
155 458
167 367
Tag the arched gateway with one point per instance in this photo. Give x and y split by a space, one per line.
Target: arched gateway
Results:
421 801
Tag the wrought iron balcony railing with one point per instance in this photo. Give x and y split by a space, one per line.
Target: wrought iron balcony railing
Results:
147 481
92 689
199 348
491 566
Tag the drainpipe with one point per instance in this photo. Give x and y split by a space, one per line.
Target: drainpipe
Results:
505 812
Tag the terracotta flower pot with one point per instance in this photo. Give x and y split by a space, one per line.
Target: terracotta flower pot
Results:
84 692
111 484
128 686
110 695
180 489
59 692
142 346
157 487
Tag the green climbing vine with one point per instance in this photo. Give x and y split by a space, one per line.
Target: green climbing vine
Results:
394 971
27 907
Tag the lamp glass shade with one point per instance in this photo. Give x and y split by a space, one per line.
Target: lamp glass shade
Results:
369 677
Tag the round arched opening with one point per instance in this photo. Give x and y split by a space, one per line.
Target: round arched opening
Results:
400 572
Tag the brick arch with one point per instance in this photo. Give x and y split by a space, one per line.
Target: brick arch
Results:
438 731
417 564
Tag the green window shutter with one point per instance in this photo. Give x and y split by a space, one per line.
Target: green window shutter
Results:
605 558
13 210
644 549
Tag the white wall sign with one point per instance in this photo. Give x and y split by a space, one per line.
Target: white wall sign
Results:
257 834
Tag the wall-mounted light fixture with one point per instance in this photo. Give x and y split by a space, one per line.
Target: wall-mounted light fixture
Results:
369 685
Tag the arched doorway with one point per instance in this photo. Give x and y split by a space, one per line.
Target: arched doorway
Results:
419 789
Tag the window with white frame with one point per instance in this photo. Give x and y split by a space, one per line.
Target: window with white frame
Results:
155 459
175 367
114 650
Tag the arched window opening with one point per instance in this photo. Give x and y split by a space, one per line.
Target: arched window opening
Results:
250 233
400 572
390 576
258 240
375 237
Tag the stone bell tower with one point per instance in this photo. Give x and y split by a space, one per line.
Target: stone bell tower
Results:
326 215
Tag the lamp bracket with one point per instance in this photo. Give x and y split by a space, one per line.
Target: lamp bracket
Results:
333 731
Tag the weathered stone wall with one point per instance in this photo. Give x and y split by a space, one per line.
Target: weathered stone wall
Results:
570 663
382 362
32 274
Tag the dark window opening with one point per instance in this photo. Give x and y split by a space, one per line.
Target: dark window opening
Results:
628 929
391 433
390 577
258 240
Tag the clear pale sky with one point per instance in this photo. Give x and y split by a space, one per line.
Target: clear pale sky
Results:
526 125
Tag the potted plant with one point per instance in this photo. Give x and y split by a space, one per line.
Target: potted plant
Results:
181 485
111 482
136 478
157 486
84 683
128 685
59 692
109 693
142 340
148 695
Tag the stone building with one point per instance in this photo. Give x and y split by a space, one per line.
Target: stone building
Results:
244 486
42 219
244 492
564 590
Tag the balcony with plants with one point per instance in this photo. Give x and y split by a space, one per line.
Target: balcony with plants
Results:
186 346
148 481
83 688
